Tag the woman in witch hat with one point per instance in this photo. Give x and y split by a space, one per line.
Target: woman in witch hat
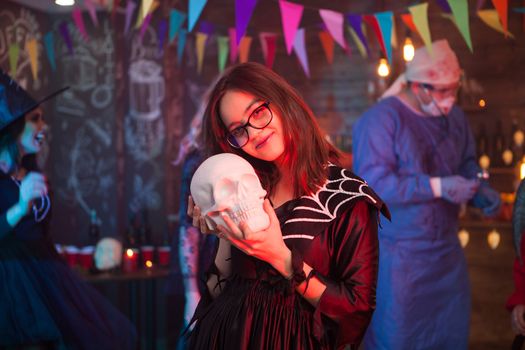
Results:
42 302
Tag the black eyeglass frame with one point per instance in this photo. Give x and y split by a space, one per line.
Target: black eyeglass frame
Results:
229 134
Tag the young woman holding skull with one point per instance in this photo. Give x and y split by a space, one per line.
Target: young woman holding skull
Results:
42 302
308 280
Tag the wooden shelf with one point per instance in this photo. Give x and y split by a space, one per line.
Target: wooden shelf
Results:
485 224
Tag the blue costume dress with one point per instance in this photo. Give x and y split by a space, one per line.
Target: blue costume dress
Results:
423 293
42 301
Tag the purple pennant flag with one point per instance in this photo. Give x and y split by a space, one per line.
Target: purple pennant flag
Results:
355 21
130 7
444 6
144 26
243 13
161 33
206 28
65 35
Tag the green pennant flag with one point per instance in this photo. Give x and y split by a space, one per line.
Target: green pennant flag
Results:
14 51
224 47
460 11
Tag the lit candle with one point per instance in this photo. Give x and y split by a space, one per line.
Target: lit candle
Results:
130 260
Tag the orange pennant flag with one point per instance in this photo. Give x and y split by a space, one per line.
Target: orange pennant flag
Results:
407 19
503 11
244 49
328 45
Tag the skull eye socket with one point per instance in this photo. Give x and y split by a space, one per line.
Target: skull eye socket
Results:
223 189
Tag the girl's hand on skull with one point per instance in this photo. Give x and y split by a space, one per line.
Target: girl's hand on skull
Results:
198 220
267 245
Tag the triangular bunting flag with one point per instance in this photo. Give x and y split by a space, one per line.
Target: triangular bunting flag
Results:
144 26
360 47
384 20
243 13
407 19
334 24
64 31
79 22
268 45
130 8
195 10
161 34
176 20
420 19
444 6
372 22
181 44
223 47
90 6
144 10
200 45
14 52
49 44
32 51
244 49
460 12
291 18
327 41
300 51
394 35
233 45
492 19
502 7
356 23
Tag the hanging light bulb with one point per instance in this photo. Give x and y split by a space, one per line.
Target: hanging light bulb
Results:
463 236
408 50
65 2
383 70
493 239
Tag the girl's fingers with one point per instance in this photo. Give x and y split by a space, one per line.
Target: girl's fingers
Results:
233 228
189 211
196 216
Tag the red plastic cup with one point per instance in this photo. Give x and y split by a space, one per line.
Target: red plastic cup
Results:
85 257
130 260
147 254
164 255
71 255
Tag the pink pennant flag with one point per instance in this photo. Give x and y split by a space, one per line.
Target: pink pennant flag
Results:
327 41
90 6
334 23
268 45
291 18
79 22
233 45
300 50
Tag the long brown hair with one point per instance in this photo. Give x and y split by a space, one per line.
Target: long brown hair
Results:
307 152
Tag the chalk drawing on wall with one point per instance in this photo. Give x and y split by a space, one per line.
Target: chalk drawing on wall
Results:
18 29
144 124
144 194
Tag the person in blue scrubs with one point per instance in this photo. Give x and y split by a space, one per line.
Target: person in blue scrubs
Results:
416 149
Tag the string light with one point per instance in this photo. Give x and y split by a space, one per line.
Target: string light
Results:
493 239
408 50
463 236
383 70
65 2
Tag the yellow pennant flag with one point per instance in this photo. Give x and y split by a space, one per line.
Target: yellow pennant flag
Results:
491 18
32 51
360 46
420 18
200 44
244 49
147 7
393 40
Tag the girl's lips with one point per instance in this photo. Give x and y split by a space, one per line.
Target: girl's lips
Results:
263 142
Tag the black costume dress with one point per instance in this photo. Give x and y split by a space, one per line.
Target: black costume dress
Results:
41 299
335 232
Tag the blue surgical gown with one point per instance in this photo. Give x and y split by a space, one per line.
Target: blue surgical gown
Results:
423 293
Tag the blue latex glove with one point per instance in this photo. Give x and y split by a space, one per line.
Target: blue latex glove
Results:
488 200
457 189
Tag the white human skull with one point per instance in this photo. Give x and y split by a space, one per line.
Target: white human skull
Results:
226 184
108 254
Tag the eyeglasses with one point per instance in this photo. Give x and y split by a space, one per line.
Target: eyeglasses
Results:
259 119
451 91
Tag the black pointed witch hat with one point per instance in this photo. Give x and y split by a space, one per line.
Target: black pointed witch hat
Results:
15 102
